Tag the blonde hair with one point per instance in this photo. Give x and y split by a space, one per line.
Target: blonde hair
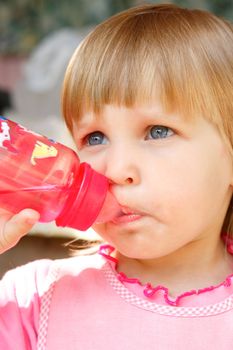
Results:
182 57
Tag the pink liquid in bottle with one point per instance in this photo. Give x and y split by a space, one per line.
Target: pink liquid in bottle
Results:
46 176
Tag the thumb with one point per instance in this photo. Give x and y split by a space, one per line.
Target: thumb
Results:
16 227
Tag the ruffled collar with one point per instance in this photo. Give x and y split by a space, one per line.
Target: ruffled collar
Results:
150 291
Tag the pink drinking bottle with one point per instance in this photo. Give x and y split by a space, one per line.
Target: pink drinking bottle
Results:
41 174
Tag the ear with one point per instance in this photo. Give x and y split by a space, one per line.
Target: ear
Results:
232 178
231 183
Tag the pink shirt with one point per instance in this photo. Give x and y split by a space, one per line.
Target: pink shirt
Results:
82 303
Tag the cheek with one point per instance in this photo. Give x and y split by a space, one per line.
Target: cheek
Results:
198 196
95 159
168 177
181 182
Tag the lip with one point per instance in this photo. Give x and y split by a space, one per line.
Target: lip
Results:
127 216
126 219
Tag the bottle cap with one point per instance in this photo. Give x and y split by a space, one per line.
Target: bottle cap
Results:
85 200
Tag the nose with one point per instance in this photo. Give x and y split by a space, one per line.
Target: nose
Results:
122 166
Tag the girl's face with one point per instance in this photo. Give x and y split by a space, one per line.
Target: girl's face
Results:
172 177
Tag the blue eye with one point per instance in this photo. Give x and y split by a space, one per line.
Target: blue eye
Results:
159 132
96 138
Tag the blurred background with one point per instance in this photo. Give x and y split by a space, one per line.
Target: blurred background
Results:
37 38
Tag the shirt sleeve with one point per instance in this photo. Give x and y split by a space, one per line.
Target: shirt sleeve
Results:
20 297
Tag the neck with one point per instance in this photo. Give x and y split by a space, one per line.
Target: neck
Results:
195 266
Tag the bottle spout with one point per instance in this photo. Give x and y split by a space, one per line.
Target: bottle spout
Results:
110 209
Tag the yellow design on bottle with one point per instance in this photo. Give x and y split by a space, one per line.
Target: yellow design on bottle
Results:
41 150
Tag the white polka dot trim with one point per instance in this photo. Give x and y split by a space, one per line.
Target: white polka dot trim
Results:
177 311
45 308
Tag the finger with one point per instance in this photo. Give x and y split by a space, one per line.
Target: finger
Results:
18 226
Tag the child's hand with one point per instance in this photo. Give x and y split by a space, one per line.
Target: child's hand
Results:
13 227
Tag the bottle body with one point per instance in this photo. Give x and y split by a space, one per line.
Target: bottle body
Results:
35 172
44 175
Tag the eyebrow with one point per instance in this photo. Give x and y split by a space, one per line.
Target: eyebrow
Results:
84 124
81 125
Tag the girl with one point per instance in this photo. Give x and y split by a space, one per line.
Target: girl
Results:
148 98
